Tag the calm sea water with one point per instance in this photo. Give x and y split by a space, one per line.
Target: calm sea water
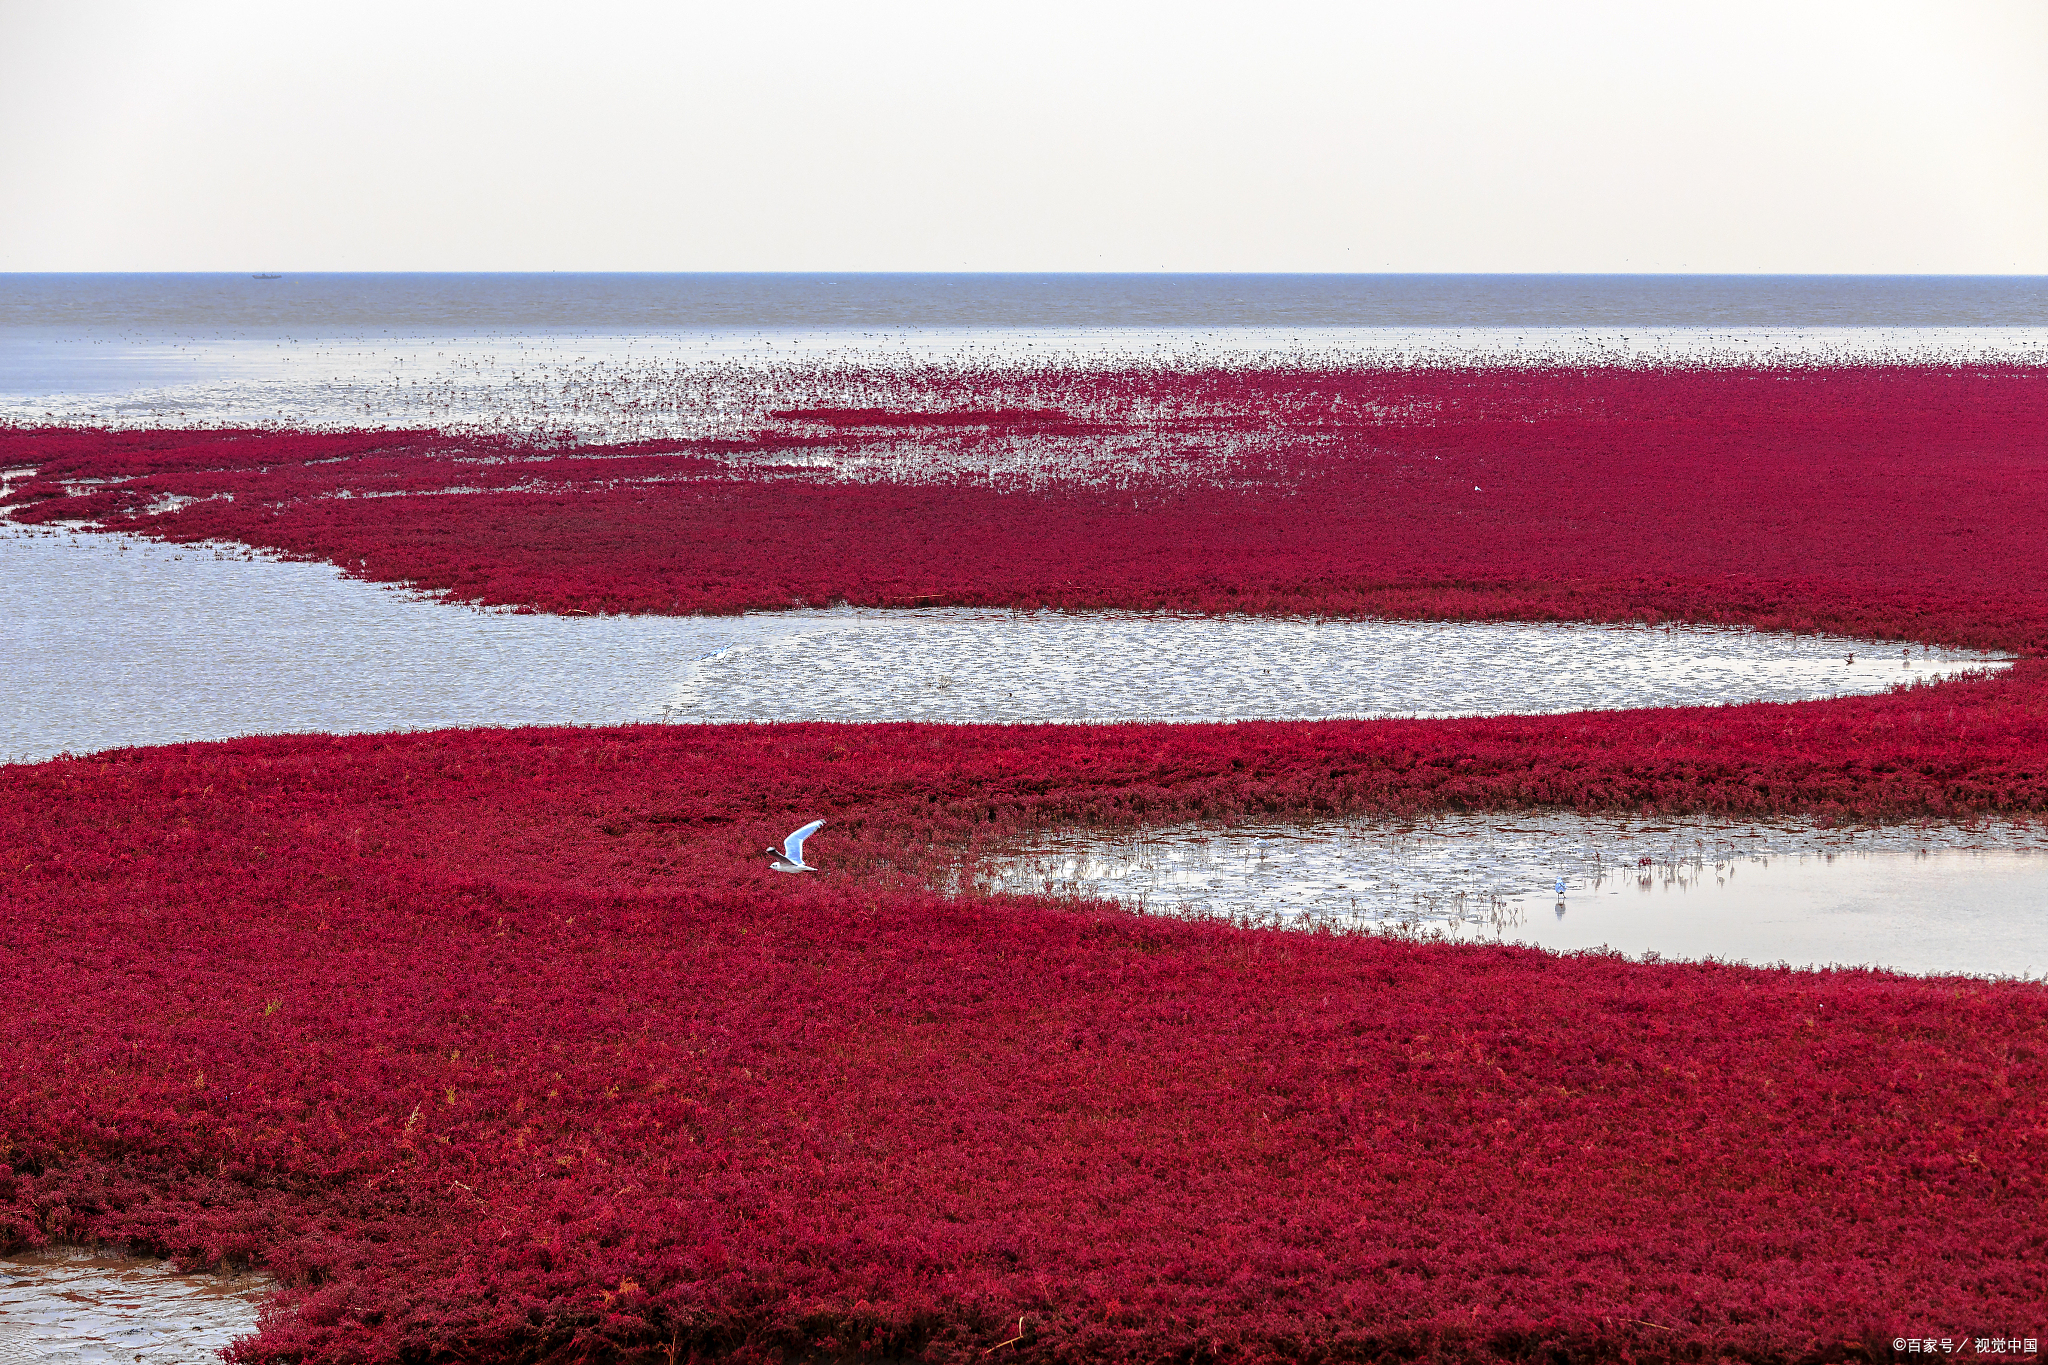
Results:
306 304
603 357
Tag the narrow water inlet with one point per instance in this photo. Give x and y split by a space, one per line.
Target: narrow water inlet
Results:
72 1304
1926 898
108 641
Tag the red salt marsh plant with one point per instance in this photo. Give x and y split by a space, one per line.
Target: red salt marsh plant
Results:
507 1045
1897 502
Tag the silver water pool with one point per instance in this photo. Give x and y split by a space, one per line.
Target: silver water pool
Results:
1937 898
108 641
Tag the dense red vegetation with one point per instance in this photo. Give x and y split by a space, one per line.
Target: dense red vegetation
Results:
507 1045
1902 503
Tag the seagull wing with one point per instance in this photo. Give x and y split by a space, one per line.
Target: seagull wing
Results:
793 846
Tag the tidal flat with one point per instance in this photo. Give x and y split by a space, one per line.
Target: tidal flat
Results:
504 1035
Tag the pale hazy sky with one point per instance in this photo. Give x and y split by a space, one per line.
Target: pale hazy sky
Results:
1650 135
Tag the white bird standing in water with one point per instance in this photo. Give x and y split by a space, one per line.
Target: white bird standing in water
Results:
791 857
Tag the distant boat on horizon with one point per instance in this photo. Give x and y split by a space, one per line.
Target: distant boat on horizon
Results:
266 277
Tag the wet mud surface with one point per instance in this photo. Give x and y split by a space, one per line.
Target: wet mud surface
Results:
69 1304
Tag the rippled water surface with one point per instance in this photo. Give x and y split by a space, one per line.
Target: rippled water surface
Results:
1970 899
69 1305
614 357
109 640
641 385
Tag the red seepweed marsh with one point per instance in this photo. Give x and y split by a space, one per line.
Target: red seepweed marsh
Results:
504 1044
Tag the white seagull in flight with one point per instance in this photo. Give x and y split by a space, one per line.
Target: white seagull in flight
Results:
791 858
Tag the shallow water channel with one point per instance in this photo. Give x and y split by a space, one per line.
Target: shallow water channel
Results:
66 1304
1929 898
108 641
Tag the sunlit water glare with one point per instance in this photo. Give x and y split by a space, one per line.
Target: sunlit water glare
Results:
615 386
108 641
1968 899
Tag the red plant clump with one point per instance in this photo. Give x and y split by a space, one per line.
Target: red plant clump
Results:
995 419
1895 502
507 1045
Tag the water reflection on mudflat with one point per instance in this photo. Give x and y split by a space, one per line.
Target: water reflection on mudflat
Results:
1932 898
69 1304
108 641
